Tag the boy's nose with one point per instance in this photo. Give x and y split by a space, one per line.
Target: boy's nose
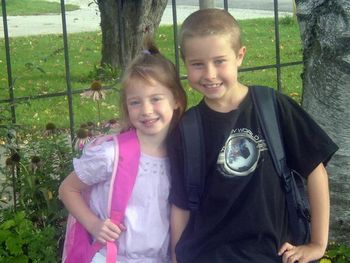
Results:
210 72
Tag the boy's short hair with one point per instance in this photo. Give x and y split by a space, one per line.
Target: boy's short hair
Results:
207 22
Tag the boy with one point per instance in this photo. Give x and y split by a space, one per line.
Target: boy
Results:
242 215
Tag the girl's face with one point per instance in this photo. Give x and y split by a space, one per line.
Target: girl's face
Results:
150 107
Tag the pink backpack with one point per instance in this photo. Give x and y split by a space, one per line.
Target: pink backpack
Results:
78 245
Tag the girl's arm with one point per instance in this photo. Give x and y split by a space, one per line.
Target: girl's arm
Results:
318 190
70 194
178 221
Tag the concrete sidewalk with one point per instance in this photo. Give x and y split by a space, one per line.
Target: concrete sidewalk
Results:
87 18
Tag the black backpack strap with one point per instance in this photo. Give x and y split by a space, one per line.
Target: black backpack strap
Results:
264 100
194 155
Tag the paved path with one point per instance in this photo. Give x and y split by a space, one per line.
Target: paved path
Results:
87 19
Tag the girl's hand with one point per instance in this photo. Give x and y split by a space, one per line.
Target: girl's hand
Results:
301 254
104 231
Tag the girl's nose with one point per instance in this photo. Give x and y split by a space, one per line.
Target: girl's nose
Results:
147 108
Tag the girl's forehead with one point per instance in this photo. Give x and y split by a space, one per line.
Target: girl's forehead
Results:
144 80
146 86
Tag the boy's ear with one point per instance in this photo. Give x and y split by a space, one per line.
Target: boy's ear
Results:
240 55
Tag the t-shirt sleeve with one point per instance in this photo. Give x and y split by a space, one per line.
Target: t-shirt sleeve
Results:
96 163
178 194
306 143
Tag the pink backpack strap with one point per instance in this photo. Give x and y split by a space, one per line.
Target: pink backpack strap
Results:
124 174
126 163
123 183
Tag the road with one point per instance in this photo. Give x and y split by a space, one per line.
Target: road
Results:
283 5
87 18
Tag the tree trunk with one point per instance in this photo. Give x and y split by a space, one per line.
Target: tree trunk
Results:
138 17
325 32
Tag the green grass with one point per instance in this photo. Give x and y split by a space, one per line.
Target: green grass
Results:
258 37
38 68
34 7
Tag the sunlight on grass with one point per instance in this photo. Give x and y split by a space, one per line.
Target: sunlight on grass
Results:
38 67
34 7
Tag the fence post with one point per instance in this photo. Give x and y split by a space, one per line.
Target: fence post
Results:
204 4
67 67
176 40
121 33
8 61
277 45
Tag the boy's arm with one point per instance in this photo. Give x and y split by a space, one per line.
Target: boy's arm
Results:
178 221
70 194
318 190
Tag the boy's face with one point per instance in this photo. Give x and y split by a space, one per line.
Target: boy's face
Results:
212 66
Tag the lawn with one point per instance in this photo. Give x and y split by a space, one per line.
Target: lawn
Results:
38 68
34 7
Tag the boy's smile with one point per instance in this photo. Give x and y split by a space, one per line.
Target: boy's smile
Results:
212 66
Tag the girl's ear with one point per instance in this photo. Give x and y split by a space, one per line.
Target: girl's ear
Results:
176 105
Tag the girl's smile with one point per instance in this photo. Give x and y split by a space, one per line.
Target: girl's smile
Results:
150 107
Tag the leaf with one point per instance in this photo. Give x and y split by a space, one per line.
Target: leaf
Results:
14 245
8 224
41 70
4 234
29 65
21 259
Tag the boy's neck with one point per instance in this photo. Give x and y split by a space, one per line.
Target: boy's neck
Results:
231 101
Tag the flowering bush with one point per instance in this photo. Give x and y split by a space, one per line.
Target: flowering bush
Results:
36 164
32 216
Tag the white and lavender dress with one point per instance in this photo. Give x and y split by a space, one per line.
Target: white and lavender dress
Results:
146 238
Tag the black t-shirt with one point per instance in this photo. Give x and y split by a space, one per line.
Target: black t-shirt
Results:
243 214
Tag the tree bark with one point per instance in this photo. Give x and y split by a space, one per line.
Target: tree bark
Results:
325 32
137 17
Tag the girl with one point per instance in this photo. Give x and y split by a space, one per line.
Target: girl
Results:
152 102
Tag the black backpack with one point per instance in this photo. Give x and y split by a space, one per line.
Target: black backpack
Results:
264 100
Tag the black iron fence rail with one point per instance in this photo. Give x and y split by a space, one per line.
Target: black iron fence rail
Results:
70 92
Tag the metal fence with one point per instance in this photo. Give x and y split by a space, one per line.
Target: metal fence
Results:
68 93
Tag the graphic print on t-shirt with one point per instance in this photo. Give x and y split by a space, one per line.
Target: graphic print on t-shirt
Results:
240 153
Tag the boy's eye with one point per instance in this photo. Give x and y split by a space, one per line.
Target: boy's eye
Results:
219 61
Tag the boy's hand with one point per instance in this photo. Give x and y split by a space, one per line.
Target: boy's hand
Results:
301 254
104 231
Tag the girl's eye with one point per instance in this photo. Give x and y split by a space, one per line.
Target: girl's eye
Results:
156 99
134 103
197 65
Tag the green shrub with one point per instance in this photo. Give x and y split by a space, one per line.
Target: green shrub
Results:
36 164
21 241
337 253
